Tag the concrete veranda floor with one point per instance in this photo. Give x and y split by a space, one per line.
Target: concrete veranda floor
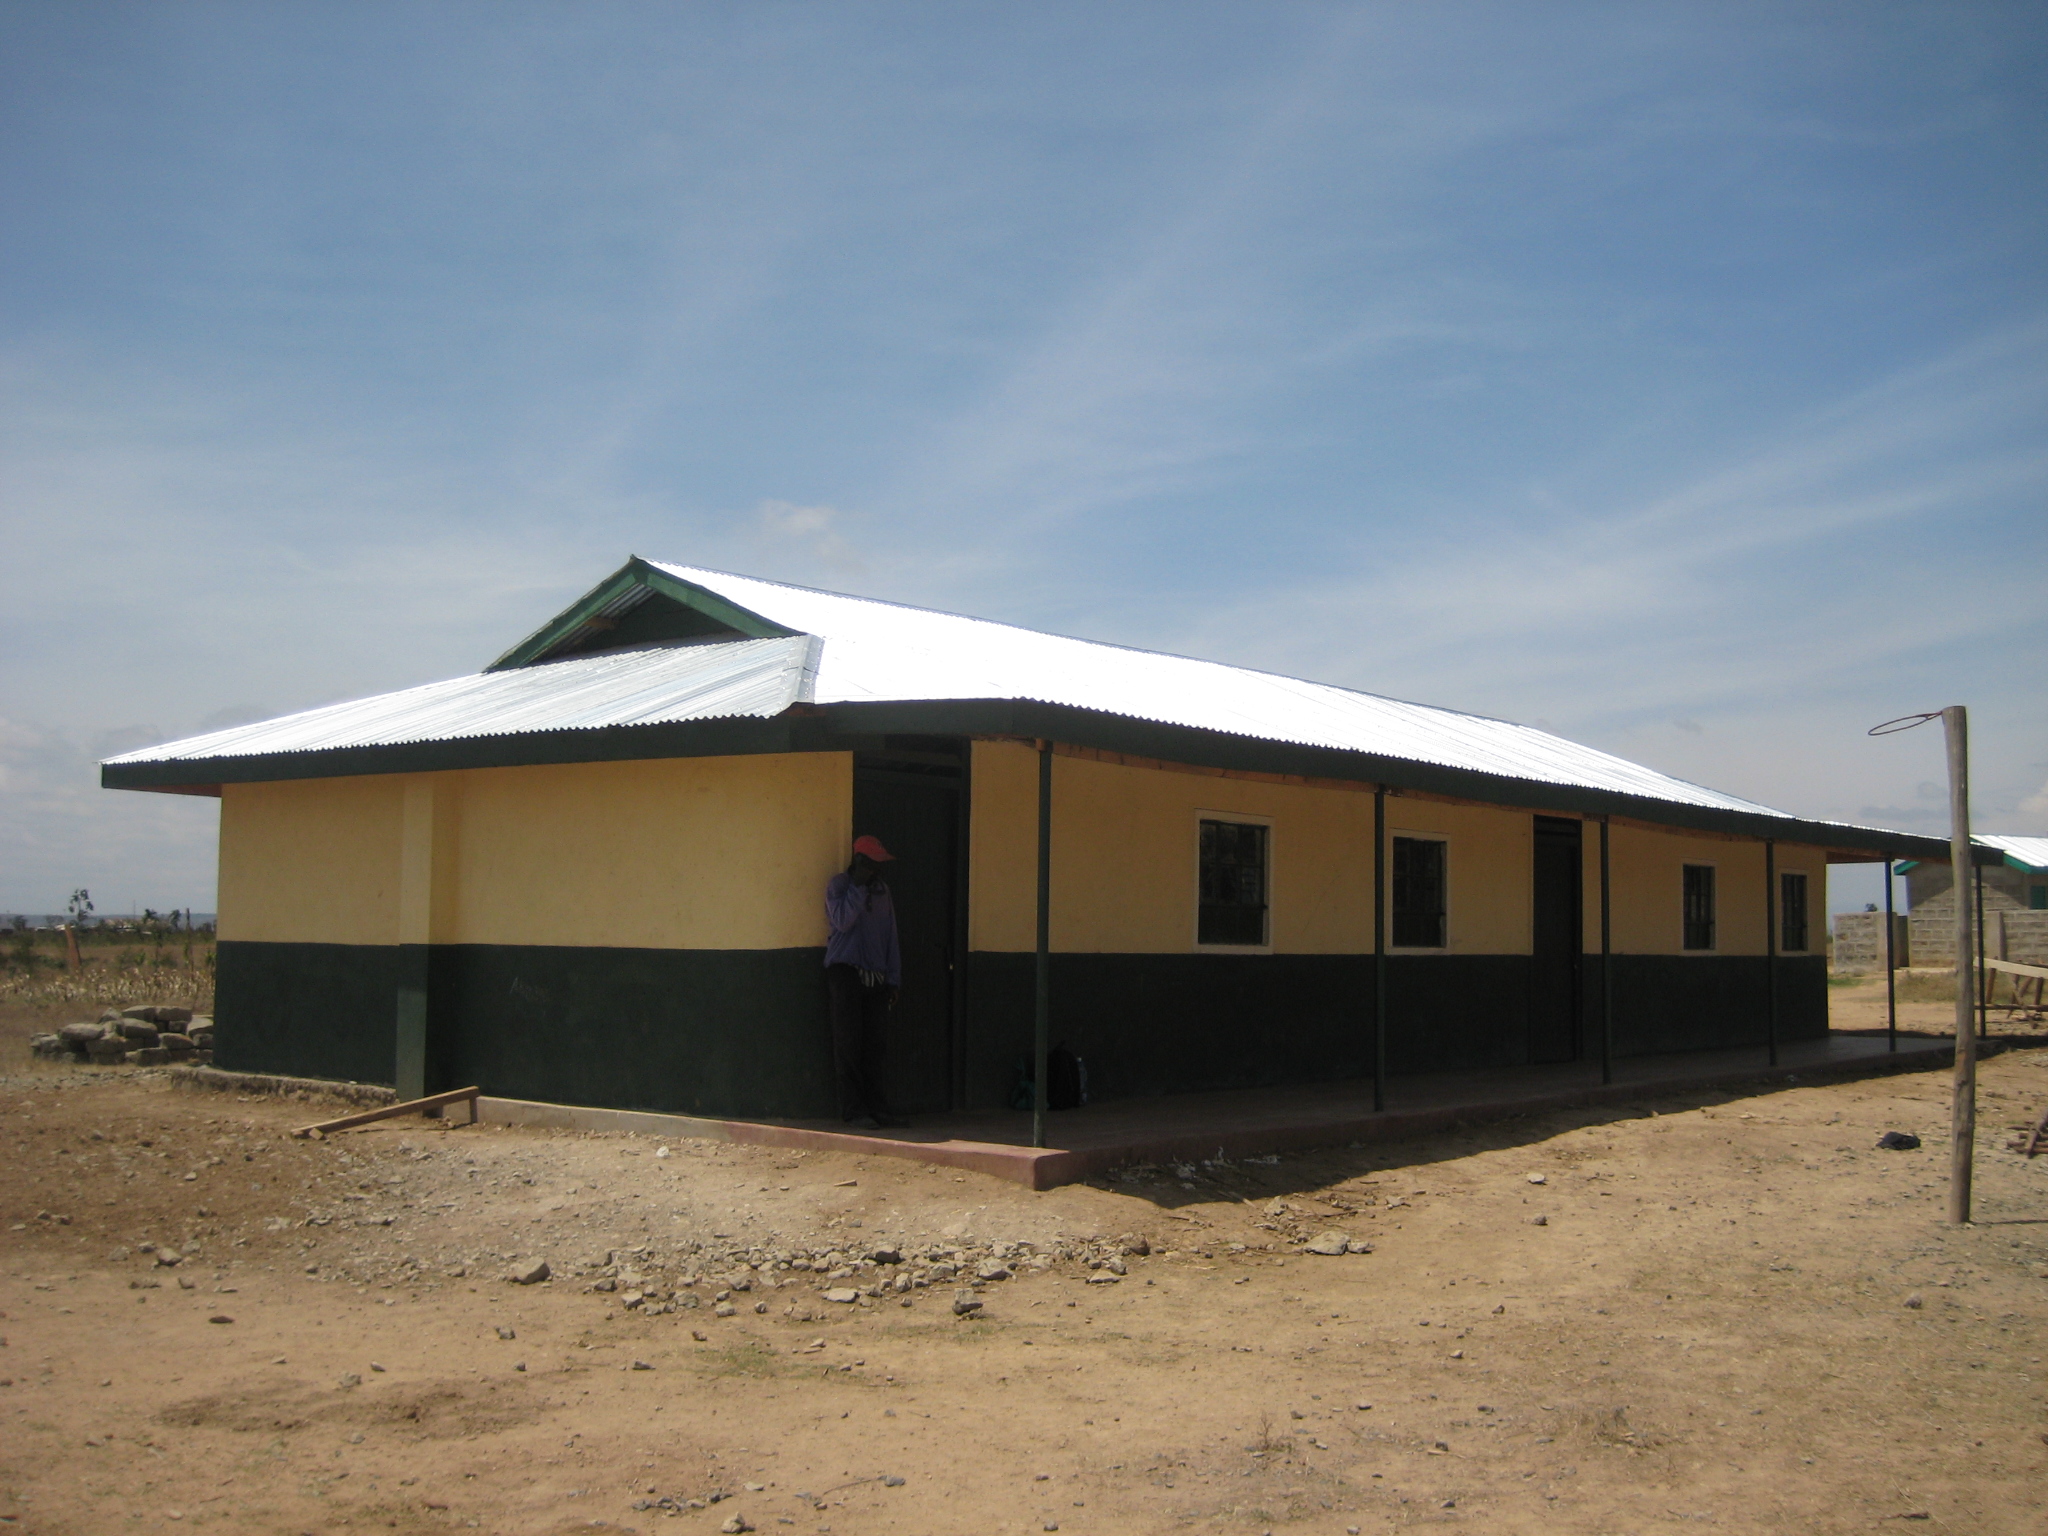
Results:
1249 1121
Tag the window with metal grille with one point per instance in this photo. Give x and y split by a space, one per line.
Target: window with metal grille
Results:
1791 912
1699 906
2037 898
1233 883
1419 891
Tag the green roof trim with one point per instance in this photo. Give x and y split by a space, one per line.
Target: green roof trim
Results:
576 621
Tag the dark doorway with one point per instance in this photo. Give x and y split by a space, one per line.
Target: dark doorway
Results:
1556 953
912 797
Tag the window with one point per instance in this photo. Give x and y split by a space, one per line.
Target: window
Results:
1419 893
2037 898
1699 906
1233 894
1791 912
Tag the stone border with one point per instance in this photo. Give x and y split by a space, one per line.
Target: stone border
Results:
258 1082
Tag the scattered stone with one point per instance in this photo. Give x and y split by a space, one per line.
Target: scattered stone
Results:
992 1269
533 1274
377 1368
220 1317
886 1256
1915 1302
725 1309
966 1306
700 1336
1104 1277
349 1379
507 1333
1539 1178
1360 1245
169 1257
892 1482
846 1295
1899 1141
1539 1221
1135 1244
761 1307
642 1365
734 1524
1330 1244
1276 1207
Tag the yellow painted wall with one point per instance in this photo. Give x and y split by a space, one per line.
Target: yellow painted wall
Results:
699 853
1649 890
1490 871
311 861
1002 847
1124 851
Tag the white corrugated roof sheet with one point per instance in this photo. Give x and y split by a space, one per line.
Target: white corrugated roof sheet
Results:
866 650
651 685
876 650
2030 851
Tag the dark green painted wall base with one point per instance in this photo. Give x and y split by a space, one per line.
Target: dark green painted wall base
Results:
734 1032
307 1010
743 1032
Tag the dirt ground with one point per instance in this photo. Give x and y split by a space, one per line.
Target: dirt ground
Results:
1709 1312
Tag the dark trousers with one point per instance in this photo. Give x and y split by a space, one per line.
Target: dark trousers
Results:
860 1019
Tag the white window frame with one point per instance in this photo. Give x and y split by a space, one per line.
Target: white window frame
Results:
1243 818
1425 835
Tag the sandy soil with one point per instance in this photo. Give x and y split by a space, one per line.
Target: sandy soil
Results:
1734 1314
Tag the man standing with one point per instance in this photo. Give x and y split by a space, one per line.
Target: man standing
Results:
863 974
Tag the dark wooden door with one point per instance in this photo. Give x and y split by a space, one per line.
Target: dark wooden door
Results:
913 806
1556 955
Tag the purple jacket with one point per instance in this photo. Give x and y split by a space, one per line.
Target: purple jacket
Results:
863 920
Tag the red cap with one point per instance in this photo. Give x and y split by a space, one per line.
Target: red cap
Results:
872 847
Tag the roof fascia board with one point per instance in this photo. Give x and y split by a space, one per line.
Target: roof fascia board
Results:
636 572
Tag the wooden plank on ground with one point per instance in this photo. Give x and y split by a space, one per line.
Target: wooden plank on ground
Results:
410 1106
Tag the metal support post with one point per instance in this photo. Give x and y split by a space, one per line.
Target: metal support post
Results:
1041 1013
1771 946
1606 960
1379 949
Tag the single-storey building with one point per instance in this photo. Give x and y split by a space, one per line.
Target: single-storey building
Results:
593 872
2010 890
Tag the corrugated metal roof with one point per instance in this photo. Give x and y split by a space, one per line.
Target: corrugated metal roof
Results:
853 649
645 685
2029 851
876 651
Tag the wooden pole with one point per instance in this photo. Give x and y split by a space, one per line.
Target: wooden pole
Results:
1379 949
1041 1012
1955 721
1891 967
1606 961
1771 947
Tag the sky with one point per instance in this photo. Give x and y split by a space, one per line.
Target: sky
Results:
1669 376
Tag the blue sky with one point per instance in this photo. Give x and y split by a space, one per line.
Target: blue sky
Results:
1669 375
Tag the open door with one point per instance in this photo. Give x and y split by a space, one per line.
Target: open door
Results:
913 800
1555 959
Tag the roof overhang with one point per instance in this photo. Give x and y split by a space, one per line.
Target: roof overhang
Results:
855 726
